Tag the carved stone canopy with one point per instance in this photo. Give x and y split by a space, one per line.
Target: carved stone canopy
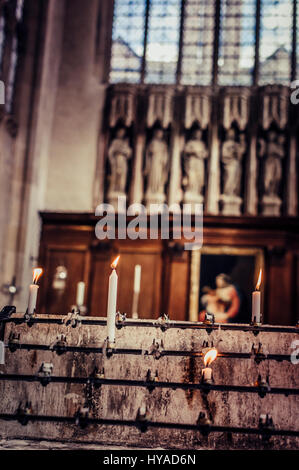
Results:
122 106
275 105
235 108
178 109
160 106
197 108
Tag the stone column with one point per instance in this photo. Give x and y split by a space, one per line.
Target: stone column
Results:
38 150
136 191
291 179
251 179
213 191
29 150
176 146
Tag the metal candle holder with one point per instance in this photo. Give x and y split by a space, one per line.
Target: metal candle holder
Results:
120 319
111 345
28 317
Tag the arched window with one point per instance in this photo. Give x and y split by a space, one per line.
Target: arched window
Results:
204 42
275 41
11 12
237 42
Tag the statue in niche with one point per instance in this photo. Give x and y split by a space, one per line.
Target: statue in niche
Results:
194 155
118 154
156 167
273 152
232 154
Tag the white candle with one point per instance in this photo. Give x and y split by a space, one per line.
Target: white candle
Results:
207 374
209 357
33 289
136 290
256 301
137 278
111 306
80 294
256 306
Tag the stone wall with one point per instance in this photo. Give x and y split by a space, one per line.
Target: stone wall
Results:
179 363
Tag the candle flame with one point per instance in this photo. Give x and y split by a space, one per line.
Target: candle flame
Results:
259 281
210 356
114 264
37 272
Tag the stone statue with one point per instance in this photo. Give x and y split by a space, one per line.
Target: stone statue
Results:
232 153
156 168
195 152
118 154
272 151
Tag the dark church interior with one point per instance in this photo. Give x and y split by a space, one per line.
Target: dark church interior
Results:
149 230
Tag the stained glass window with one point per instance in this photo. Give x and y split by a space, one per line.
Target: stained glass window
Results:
163 41
11 78
128 39
2 27
19 9
237 42
276 41
10 84
200 42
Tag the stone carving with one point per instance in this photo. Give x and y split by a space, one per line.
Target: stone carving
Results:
156 168
272 151
177 111
275 104
194 155
159 107
235 108
122 106
118 155
232 155
197 109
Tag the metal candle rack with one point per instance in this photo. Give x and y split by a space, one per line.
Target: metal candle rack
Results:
45 374
163 326
144 424
14 344
46 378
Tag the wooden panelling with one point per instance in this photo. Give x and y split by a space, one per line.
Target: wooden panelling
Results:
98 283
74 260
69 239
176 284
280 291
149 298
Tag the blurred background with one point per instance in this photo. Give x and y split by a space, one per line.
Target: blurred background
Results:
169 101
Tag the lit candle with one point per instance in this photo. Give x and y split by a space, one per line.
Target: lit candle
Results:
111 307
207 373
33 289
256 301
80 294
137 280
